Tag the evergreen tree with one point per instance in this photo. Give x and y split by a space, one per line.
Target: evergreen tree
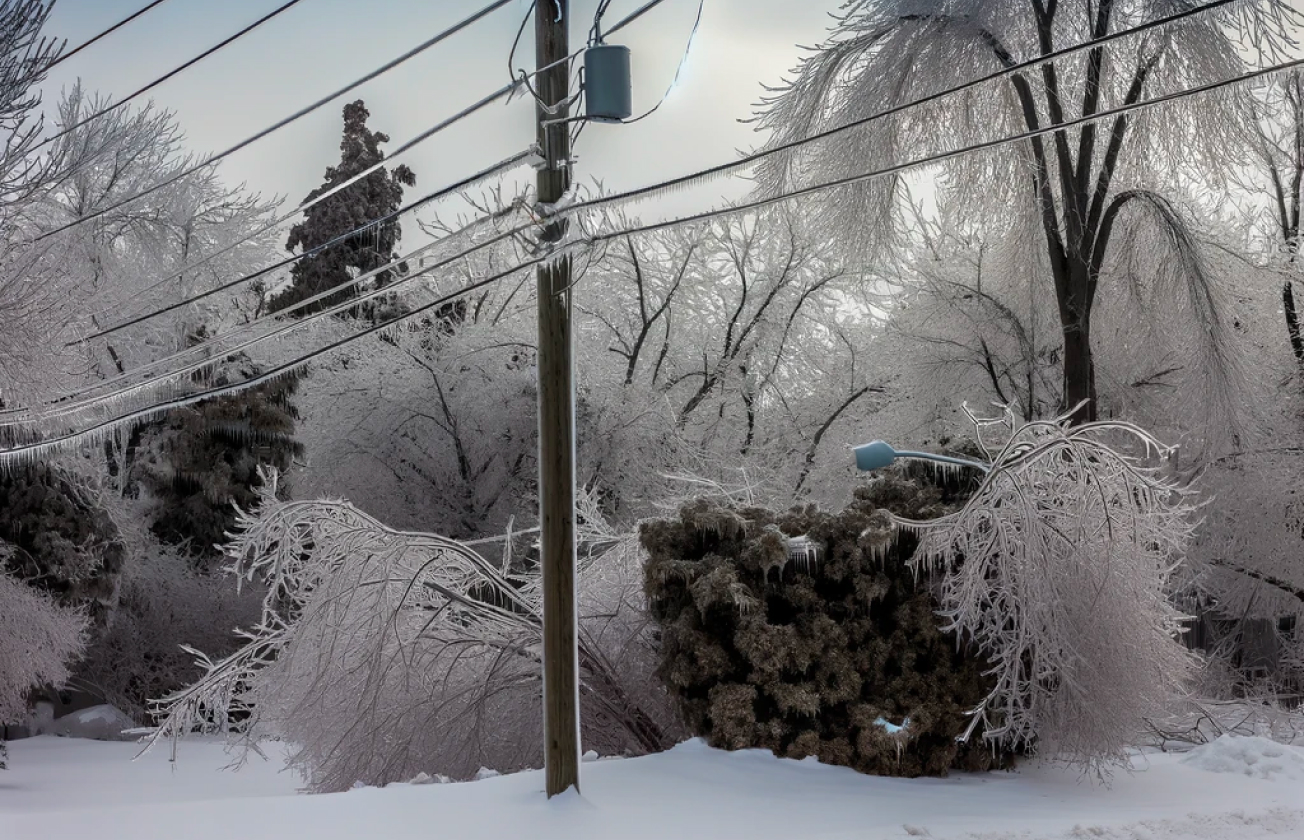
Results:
200 460
56 536
374 197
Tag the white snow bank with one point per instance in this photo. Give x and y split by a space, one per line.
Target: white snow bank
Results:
63 788
99 723
1250 756
49 774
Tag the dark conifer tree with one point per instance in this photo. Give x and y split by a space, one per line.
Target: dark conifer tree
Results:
375 197
201 461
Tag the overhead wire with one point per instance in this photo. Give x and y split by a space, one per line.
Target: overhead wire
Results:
217 347
591 240
104 34
638 13
927 160
465 113
29 451
679 69
746 161
496 169
595 31
516 43
297 115
212 351
750 159
225 42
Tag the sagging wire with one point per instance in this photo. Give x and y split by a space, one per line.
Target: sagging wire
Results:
683 62
302 112
27 452
520 33
522 78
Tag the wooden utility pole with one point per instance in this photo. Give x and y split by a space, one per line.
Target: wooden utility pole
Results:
561 713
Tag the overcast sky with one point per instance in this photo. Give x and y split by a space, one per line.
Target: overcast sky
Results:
320 45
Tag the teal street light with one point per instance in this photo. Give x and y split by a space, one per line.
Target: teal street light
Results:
878 454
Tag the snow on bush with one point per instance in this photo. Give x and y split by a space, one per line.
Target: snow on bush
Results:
62 538
98 723
837 653
38 640
381 654
1251 756
164 603
1059 567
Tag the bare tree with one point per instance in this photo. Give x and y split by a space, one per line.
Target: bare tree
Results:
29 292
742 340
1085 184
711 350
39 639
1277 141
25 58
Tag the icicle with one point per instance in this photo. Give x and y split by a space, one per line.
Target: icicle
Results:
804 552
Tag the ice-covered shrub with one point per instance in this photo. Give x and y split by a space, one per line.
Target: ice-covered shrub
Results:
381 654
164 603
835 651
1060 568
38 640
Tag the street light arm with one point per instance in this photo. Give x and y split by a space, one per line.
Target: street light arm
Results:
878 454
945 459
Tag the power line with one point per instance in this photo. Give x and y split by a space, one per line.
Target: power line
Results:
69 409
592 240
375 167
302 112
114 28
213 350
497 94
467 112
631 17
788 196
24 453
679 69
734 166
225 42
459 186
927 160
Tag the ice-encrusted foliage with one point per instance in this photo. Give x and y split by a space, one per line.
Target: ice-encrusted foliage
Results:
163 601
62 540
843 658
38 640
381 654
1059 568
1099 191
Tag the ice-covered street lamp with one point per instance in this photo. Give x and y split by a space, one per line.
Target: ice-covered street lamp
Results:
878 454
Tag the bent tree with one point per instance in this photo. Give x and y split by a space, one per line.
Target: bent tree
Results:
1089 186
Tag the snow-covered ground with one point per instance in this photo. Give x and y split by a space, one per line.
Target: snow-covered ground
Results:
1239 789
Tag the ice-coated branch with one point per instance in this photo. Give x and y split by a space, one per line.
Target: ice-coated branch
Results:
383 653
1058 568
